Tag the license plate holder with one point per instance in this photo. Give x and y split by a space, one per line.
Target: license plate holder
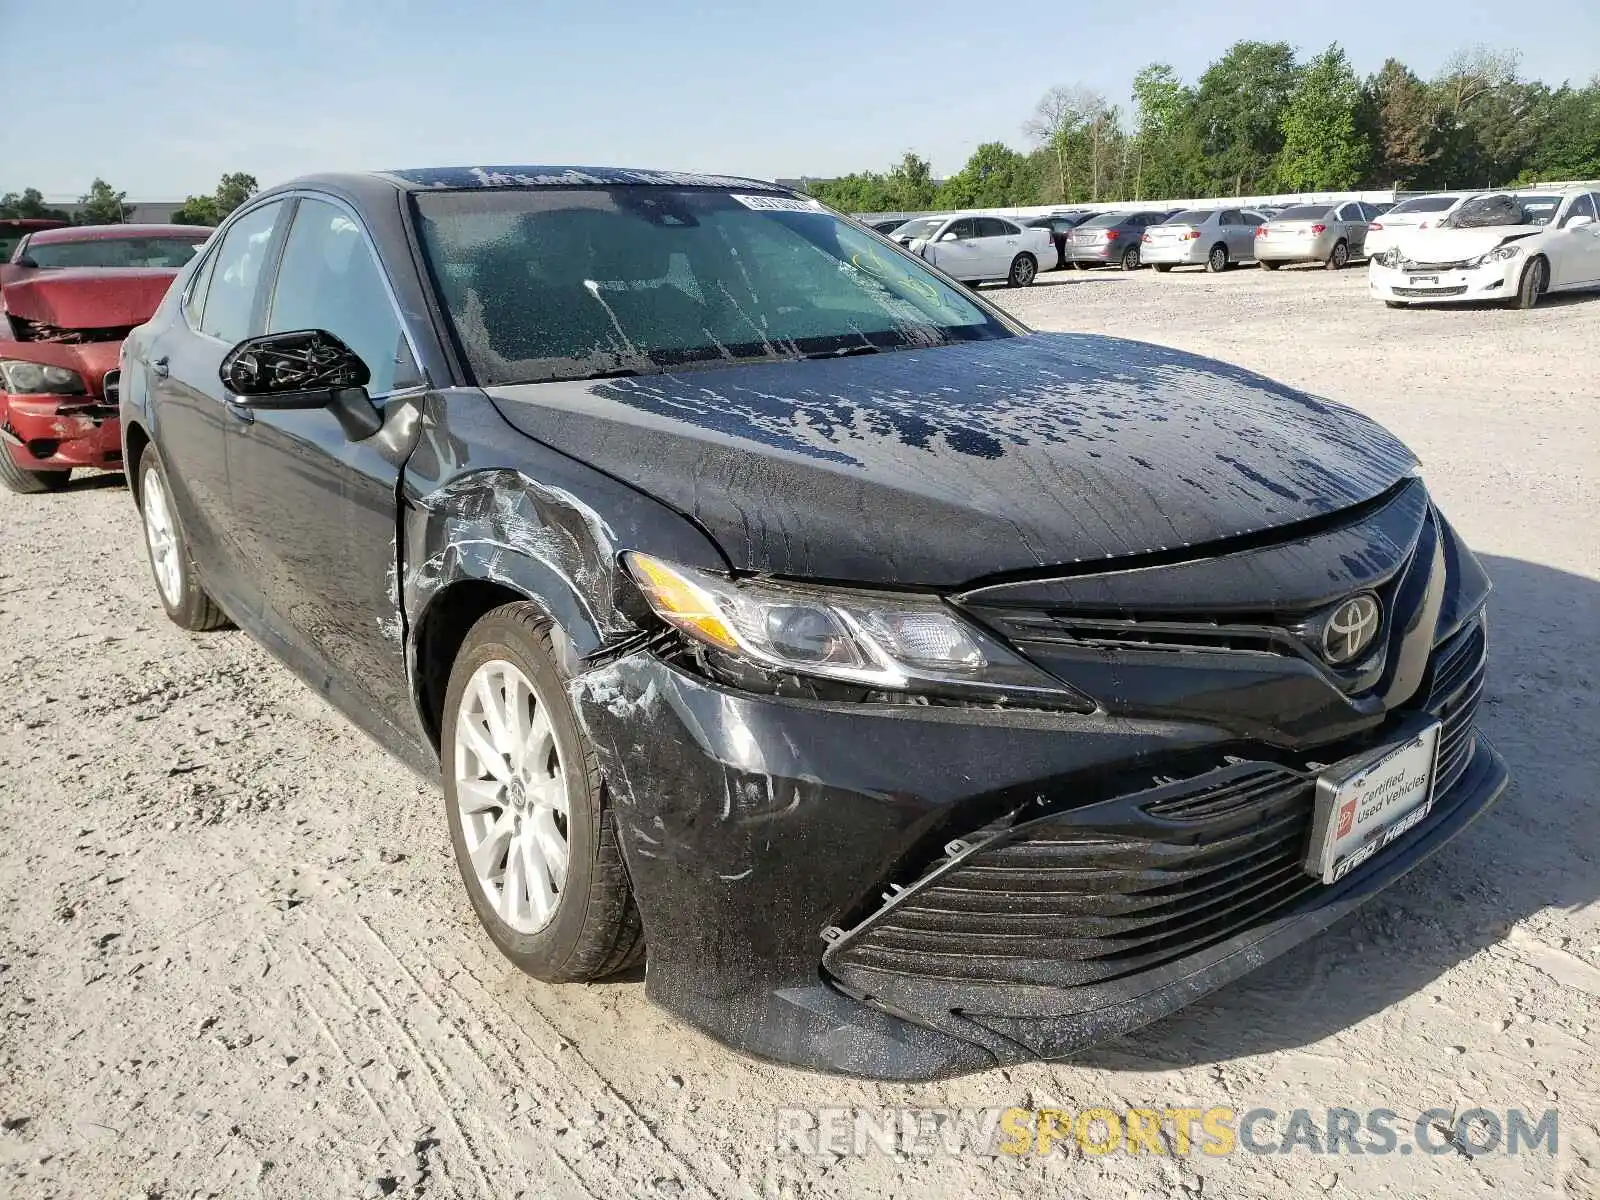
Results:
1366 803
1416 279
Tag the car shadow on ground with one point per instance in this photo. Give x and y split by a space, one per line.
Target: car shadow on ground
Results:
88 481
1532 851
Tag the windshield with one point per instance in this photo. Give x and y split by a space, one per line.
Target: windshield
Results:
574 283
1422 204
1102 220
1482 212
921 227
1189 216
1303 212
115 252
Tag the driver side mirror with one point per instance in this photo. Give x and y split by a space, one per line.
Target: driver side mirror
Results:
291 370
949 235
306 368
1579 219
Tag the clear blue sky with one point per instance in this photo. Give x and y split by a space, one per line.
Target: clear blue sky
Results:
161 96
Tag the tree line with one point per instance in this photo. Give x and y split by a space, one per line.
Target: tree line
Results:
1258 121
104 205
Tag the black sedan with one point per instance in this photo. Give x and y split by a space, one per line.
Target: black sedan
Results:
923 692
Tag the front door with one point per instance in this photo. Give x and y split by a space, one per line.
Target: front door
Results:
317 508
192 411
957 251
1575 245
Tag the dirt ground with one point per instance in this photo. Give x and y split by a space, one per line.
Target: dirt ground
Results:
236 959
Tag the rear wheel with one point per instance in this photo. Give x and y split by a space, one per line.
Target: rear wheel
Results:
1217 260
1023 269
1532 284
1338 257
29 483
529 820
184 599
1130 259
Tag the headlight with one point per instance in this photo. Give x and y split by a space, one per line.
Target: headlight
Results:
1389 258
894 641
26 378
1498 254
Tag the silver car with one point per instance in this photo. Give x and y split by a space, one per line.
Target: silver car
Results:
1331 234
1215 237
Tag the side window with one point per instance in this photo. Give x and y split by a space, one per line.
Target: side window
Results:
964 228
329 280
231 295
993 227
1583 206
195 304
1230 216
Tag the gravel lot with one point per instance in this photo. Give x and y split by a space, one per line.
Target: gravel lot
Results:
236 959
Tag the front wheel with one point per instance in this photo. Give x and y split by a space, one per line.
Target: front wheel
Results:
1130 259
185 601
1339 256
1531 286
533 834
1217 260
29 483
1023 269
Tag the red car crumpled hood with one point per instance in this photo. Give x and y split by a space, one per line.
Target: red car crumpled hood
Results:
85 297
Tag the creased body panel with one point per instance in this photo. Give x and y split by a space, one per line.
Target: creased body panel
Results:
936 467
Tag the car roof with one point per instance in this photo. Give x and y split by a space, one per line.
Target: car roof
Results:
103 233
528 176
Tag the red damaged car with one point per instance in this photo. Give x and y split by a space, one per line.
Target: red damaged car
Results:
68 296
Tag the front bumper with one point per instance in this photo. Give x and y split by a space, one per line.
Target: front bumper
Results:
58 433
1421 284
794 863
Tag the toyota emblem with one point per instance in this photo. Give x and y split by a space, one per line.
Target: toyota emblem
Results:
1350 628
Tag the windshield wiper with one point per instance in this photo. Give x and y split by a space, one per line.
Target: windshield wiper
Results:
845 351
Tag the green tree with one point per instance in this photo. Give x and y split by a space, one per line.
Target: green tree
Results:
232 191
996 176
30 205
101 205
1239 107
1406 126
1569 147
1323 149
910 184
196 210
1166 154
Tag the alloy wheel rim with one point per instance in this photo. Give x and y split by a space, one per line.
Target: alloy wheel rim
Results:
1024 271
511 796
161 535
1218 259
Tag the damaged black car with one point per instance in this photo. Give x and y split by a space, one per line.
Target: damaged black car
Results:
913 693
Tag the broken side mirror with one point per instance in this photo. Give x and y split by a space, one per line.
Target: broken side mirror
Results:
305 368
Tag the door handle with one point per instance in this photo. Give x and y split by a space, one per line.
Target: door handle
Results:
159 366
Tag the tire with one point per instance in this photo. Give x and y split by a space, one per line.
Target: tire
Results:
1217 260
1024 270
171 564
1338 257
1130 259
1532 283
1396 304
1162 268
591 927
29 483
1268 266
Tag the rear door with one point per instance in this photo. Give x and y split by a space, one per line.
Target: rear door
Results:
1001 241
191 408
1355 227
318 511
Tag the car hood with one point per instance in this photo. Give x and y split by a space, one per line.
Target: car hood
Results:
943 466
85 297
1455 245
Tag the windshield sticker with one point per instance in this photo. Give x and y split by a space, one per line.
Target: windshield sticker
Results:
778 203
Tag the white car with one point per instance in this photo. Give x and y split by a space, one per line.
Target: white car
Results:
1419 212
978 249
1511 247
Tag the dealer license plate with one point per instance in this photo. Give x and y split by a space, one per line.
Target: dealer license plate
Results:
1416 279
1365 805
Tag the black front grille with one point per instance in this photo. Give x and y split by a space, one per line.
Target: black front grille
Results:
1089 895
1424 293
